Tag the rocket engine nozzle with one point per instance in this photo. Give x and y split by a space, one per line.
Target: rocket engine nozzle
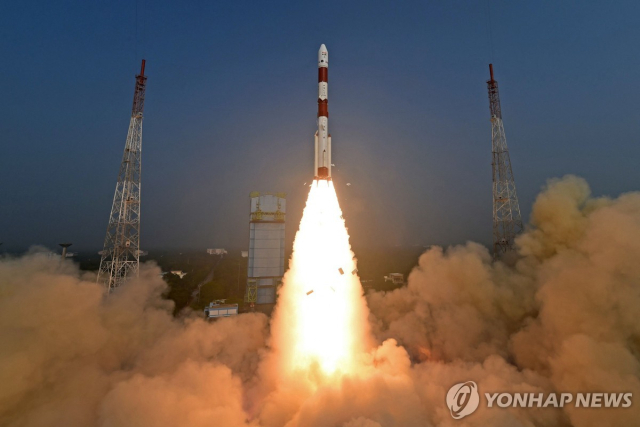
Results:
323 173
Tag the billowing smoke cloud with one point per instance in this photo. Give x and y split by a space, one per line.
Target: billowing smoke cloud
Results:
68 357
563 317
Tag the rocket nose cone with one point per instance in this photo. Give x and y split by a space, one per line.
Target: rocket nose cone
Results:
323 56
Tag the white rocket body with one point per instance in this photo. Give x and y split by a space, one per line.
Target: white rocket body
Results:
322 167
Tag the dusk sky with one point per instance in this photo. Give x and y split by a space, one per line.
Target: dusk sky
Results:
231 108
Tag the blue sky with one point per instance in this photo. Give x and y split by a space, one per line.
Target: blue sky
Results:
231 105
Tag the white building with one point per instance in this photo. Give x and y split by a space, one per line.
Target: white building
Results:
218 308
266 246
219 251
395 278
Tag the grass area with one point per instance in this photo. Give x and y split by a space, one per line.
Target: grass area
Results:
228 282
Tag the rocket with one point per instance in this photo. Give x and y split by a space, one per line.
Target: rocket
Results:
322 167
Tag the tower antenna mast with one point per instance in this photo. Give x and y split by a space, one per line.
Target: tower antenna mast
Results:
507 222
121 253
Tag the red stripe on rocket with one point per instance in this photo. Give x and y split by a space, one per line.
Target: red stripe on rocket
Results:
322 167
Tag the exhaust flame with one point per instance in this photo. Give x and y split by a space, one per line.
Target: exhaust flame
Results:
321 319
562 320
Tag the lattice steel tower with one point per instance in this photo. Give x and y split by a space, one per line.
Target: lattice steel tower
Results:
121 253
507 222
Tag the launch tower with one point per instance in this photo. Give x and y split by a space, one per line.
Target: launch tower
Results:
121 253
507 222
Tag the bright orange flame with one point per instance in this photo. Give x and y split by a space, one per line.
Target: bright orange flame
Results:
321 315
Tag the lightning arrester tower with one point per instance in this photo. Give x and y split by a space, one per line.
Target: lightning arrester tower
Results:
507 222
121 253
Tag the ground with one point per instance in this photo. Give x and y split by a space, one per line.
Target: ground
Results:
211 277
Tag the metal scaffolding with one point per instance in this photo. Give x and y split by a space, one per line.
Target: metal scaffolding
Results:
507 222
121 253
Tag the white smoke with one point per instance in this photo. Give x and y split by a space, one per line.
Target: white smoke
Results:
71 358
562 318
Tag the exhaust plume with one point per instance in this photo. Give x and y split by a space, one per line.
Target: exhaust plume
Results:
562 317
321 316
